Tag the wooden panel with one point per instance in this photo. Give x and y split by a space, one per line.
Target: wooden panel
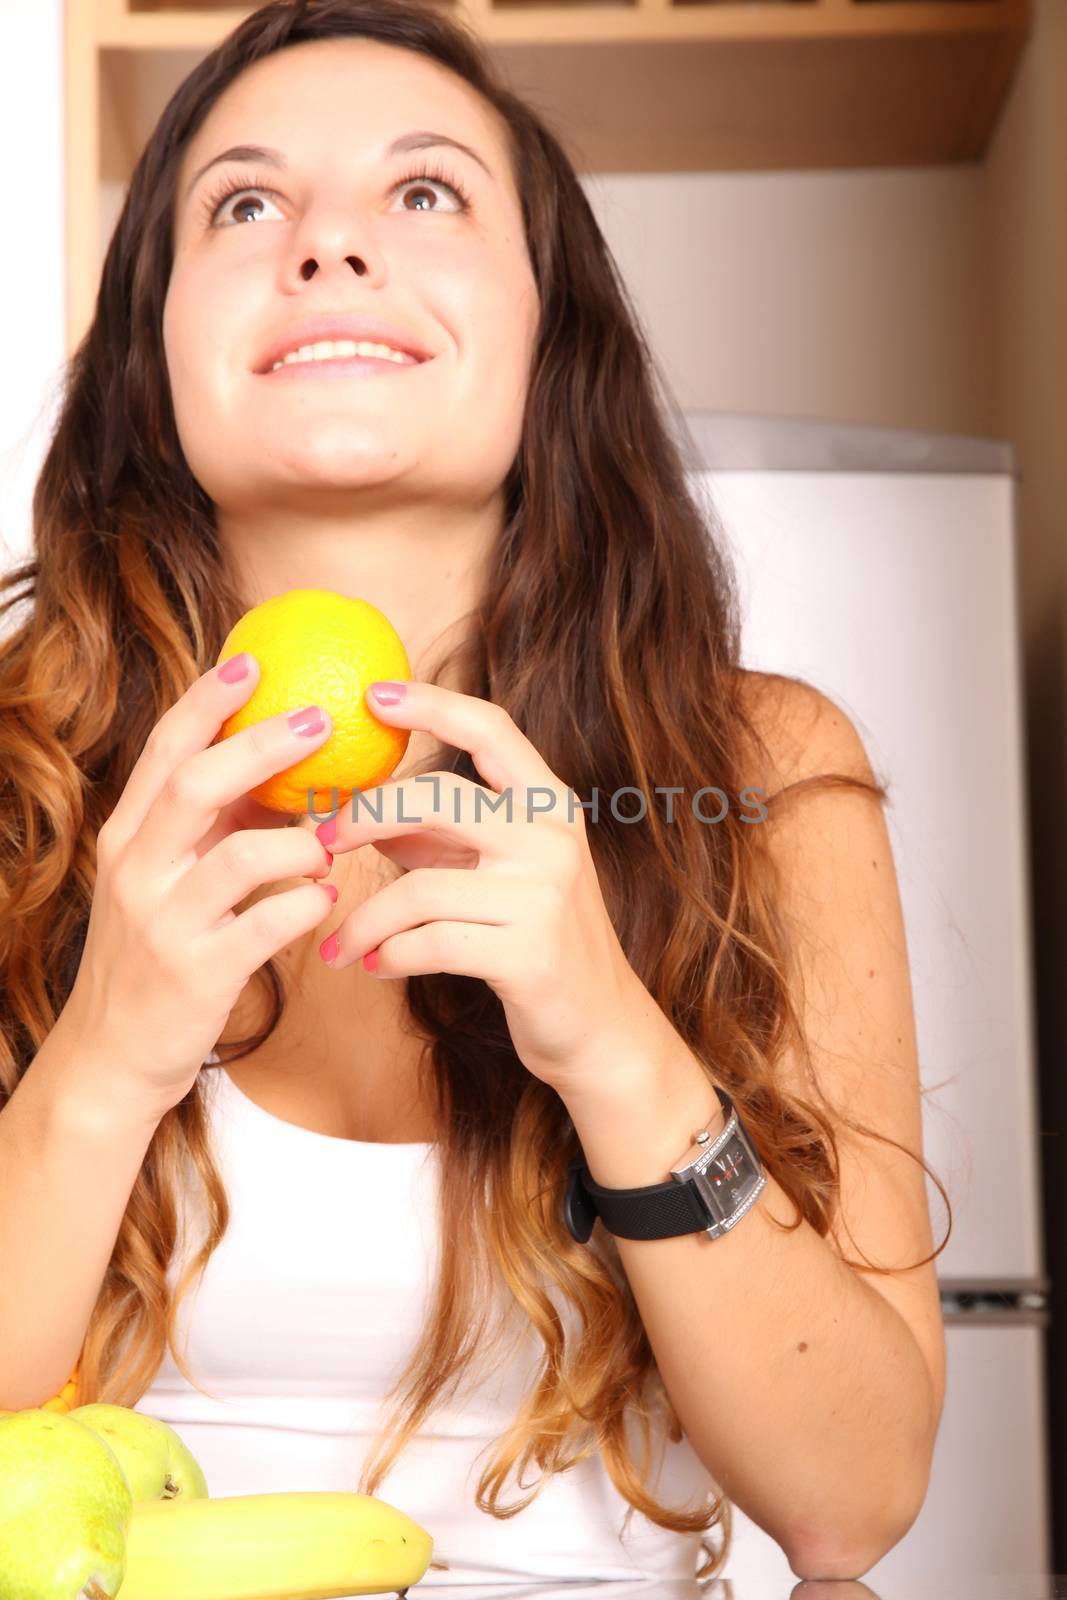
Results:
201 26
736 106
716 106
82 176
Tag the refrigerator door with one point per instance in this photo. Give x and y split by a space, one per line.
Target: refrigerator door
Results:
880 567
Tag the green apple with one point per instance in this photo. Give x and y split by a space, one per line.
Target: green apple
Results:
65 1508
156 1462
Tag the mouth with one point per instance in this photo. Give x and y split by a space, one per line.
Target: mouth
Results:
329 342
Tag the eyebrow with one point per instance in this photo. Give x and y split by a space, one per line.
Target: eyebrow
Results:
421 140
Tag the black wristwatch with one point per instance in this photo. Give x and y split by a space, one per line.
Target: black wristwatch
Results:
711 1189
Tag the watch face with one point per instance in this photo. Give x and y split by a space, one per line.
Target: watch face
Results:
728 1179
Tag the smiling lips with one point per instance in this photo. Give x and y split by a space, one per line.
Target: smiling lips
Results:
343 358
340 331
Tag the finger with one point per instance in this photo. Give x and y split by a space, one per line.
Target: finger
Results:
466 816
468 949
426 849
500 750
248 940
238 865
186 727
427 895
204 782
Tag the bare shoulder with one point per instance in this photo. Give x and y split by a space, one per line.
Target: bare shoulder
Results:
797 732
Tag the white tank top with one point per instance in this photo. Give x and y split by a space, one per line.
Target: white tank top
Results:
305 1316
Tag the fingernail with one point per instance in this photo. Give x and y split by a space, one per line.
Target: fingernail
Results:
236 668
389 693
308 722
370 960
329 947
331 891
326 832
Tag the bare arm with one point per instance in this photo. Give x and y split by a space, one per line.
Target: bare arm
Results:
803 1392
812 1390
70 1152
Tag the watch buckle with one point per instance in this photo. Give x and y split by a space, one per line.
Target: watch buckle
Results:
579 1213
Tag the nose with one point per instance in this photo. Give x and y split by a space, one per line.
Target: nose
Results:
324 243
310 266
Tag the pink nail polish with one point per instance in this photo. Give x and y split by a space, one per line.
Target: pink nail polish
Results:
331 891
236 668
329 947
389 693
370 960
308 722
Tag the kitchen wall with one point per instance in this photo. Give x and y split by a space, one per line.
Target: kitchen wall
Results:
848 295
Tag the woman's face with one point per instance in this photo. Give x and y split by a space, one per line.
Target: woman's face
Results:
335 231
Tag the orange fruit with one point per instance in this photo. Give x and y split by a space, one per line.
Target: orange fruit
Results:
315 647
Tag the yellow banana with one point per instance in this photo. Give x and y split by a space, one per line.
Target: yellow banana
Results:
305 1545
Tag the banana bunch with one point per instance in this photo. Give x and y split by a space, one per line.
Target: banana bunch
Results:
301 1545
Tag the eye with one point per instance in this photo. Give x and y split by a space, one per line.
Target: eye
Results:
229 189
445 180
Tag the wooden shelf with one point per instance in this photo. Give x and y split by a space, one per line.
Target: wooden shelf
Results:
199 25
627 85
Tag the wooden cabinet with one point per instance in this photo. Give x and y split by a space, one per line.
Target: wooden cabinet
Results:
628 85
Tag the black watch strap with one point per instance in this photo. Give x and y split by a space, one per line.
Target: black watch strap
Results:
714 1185
657 1211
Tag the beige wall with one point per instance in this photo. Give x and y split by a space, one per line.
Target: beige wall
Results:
848 295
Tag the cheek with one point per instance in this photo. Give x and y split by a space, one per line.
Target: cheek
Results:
195 344
176 340
183 334
509 327
199 340
494 311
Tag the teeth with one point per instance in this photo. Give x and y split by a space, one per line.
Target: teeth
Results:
338 349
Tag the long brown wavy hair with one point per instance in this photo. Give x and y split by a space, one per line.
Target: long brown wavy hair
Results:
608 577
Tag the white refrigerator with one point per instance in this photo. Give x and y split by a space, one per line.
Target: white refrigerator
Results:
880 565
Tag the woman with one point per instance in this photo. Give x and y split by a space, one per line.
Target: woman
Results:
504 485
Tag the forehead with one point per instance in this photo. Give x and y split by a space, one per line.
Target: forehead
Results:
354 92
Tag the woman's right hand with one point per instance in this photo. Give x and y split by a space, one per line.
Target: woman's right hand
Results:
166 957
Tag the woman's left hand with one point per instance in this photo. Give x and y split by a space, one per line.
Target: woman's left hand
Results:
514 900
